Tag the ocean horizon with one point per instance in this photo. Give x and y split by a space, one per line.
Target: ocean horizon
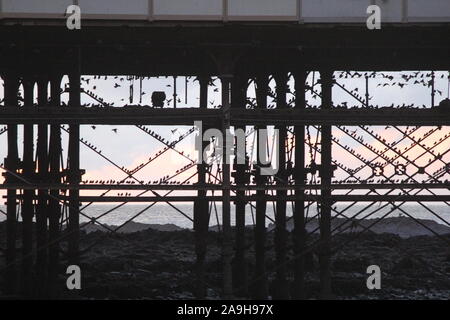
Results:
162 214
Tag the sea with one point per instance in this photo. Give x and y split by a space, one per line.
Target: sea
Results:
181 214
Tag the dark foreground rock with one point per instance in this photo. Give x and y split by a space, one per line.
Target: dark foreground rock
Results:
152 264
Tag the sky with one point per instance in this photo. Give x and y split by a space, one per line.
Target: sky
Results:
129 146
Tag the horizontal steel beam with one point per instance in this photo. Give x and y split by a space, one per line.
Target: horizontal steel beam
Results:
195 187
334 198
177 48
186 116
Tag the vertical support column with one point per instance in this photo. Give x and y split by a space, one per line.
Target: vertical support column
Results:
367 90
42 205
433 91
326 173
11 85
175 95
54 206
201 214
226 216
281 285
28 207
299 205
74 177
240 268
261 290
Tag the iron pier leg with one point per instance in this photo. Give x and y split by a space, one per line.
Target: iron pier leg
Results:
261 288
282 285
226 221
299 234
74 177
11 87
201 214
42 206
54 206
240 268
326 175
28 195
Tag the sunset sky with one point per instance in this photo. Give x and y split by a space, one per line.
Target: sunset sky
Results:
130 146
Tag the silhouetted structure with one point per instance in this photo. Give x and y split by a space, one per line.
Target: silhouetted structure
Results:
236 53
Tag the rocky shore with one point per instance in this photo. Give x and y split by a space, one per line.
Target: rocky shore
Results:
147 263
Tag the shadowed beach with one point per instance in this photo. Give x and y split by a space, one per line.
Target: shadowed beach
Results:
156 262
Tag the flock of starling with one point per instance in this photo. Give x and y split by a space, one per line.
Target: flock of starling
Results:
401 80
